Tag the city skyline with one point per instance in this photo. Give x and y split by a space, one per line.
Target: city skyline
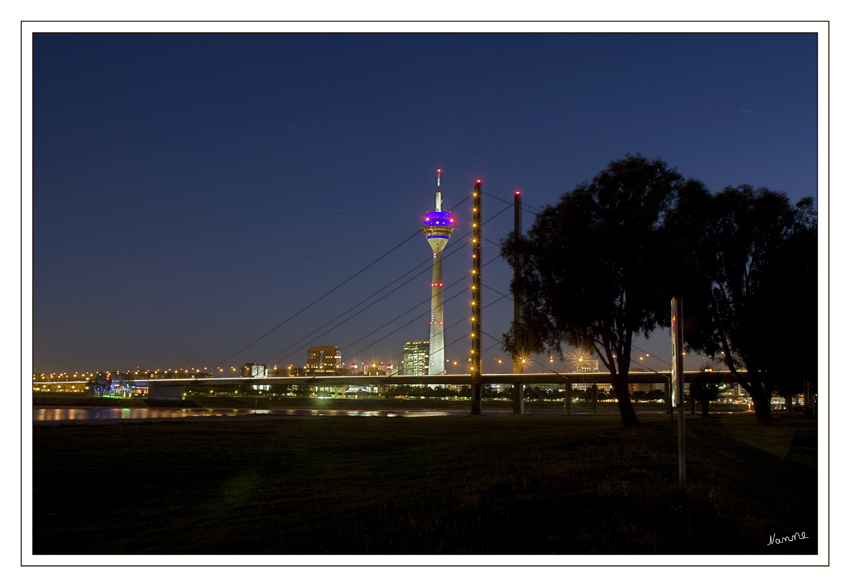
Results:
191 193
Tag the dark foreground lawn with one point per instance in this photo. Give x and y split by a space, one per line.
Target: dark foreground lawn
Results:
511 485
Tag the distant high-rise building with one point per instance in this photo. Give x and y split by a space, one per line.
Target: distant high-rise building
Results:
323 359
416 357
438 228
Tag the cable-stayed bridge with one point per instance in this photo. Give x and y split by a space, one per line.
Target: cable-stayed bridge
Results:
367 341
173 388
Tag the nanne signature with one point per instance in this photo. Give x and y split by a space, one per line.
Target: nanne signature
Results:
792 538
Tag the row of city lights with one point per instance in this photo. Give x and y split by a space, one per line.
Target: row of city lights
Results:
579 358
88 375
364 365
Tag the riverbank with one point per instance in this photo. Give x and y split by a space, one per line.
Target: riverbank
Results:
306 403
548 485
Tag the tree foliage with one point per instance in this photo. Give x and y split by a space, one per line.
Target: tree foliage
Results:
750 286
705 391
100 384
590 269
601 266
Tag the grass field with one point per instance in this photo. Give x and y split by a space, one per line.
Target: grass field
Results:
451 485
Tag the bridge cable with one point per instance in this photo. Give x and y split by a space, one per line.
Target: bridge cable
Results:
420 316
326 294
459 242
452 326
269 360
530 358
523 204
429 310
400 327
633 346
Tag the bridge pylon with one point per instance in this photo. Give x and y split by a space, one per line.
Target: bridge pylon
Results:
476 362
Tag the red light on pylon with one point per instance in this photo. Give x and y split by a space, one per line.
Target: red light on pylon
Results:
477 181
516 193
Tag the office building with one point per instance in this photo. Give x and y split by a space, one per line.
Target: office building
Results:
324 359
416 357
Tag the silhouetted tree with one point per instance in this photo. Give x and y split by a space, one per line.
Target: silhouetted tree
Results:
100 384
705 391
591 269
749 283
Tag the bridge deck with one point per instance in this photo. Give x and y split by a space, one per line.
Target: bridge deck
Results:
379 380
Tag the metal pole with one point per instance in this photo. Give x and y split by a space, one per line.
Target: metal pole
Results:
476 363
679 381
519 407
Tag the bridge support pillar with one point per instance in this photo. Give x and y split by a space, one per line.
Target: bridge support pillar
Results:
692 404
517 393
519 407
595 398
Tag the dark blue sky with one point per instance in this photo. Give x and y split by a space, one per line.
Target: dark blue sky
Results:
191 192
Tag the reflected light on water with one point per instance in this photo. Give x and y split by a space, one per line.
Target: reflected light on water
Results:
59 414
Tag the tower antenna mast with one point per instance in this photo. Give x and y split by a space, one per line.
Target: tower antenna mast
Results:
439 205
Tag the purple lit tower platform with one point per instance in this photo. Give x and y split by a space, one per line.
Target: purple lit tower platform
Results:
438 228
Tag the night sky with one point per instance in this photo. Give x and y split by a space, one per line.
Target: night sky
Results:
193 191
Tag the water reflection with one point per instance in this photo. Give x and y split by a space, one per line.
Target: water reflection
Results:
57 414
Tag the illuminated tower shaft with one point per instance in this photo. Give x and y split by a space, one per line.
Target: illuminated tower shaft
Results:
438 228
436 350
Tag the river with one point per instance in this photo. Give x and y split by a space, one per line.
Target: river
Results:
95 414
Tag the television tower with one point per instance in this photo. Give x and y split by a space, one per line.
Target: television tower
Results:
438 228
